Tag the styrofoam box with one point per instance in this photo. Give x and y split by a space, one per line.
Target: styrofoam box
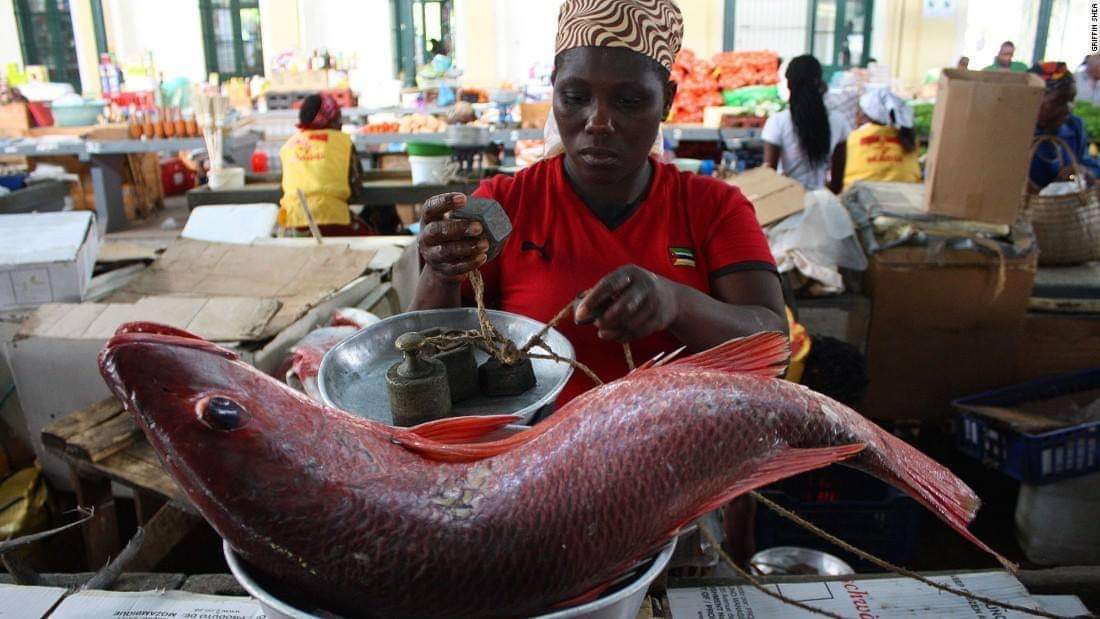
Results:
45 258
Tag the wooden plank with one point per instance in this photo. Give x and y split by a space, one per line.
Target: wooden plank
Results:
101 530
139 473
104 440
163 532
146 505
57 434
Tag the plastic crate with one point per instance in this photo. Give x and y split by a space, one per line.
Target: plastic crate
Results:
1031 458
175 177
857 508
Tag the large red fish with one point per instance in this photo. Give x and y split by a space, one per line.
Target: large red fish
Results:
373 520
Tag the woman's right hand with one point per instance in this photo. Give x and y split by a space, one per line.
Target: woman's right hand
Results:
451 247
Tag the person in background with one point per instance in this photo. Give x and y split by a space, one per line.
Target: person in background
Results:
884 147
963 64
321 161
1088 86
1003 61
807 142
1053 163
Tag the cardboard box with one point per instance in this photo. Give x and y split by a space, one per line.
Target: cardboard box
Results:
263 298
1057 344
45 257
940 329
775 196
982 129
14 120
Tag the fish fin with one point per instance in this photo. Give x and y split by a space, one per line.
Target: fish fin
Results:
933 486
155 328
459 430
763 354
670 358
462 452
785 463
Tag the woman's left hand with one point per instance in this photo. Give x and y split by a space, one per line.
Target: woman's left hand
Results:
629 304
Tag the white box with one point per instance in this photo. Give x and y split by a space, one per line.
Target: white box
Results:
45 258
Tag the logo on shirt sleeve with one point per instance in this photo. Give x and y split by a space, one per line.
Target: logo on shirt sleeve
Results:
682 256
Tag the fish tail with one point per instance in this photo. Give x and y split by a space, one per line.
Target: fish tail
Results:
927 481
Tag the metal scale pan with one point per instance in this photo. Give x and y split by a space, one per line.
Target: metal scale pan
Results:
352 375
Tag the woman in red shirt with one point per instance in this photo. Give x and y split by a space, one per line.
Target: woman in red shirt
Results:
668 259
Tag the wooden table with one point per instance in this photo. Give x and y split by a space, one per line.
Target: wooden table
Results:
102 445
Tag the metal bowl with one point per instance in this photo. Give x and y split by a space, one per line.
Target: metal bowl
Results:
792 560
621 603
352 374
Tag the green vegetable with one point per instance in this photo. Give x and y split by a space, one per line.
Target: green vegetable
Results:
922 119
1090 114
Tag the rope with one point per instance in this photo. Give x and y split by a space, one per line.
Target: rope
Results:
756 583
886 565
503 349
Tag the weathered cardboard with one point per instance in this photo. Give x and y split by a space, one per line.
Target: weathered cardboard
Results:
773 195
296 277
1056 344
45 257
939 328
982 128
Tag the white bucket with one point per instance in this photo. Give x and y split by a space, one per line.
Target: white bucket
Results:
226 178
427 170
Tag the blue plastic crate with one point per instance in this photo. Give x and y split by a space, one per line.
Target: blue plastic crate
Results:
859 509
1031 458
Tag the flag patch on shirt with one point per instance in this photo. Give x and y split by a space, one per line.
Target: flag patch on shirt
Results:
682 256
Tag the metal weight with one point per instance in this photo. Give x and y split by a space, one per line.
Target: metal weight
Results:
417 386
493 219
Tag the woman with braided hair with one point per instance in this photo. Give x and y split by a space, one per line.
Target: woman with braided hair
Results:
807 142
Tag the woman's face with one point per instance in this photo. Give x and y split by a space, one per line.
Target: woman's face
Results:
608 104
1056 107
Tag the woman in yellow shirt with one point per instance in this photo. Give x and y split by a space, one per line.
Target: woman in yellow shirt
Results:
320 160
884 147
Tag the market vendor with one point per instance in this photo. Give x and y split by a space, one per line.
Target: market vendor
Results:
1088 80
321 161
668 259
807 142
884 147
1053 163
1003 60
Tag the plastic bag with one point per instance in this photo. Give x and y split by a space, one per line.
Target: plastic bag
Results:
818 242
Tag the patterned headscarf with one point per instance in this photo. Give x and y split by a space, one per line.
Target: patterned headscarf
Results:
886 108
653 28
326 114
1055 74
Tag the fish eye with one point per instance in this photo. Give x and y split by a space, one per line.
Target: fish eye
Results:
223 414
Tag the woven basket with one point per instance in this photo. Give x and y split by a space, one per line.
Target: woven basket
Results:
1067 227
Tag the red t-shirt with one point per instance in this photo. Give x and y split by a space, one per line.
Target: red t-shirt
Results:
689 229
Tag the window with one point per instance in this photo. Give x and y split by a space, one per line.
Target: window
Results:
837 32
231 37
46 37
419 26
841 33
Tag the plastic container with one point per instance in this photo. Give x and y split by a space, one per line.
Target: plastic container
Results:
175 177
427 170
850 504
1056 524
226 178
259 162
14 181
427 149
688 165
77 115
1031 458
